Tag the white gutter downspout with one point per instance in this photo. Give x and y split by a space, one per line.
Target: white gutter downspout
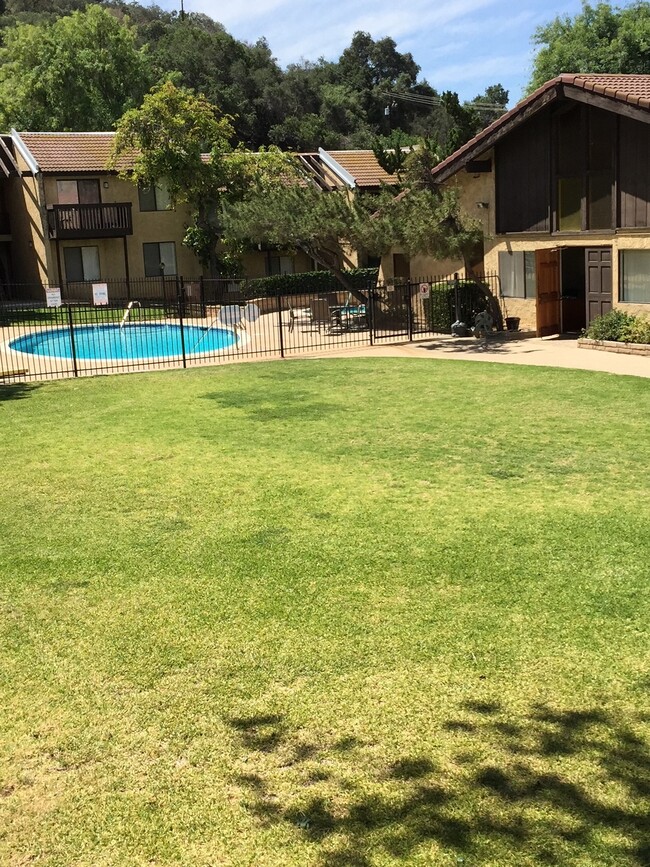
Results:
25 152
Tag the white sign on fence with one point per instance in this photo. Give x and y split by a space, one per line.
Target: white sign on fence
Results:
100 294
425 290
53 296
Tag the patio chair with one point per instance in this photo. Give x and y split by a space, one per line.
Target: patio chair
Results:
300 315
320 313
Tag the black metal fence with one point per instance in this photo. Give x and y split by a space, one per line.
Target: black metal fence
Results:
171 322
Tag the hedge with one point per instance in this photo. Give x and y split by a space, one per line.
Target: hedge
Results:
308 281
441 307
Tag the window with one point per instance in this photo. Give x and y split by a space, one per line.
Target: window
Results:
518 274
81 263
154 198
585 169
635 276
569 204
280 265
159 259
84 191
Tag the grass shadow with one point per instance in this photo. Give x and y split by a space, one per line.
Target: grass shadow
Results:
292 405
520 805
16 390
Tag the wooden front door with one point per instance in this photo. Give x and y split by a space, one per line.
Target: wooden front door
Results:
598 268
547 265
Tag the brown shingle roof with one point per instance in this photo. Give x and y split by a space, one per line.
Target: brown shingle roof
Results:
71 151
632 90
363 167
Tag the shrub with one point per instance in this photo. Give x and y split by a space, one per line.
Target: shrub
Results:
442 304
620 326
309 281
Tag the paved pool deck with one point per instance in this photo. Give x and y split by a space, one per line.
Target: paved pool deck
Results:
538 352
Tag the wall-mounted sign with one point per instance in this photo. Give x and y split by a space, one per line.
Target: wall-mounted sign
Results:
425 290
53 296
100 294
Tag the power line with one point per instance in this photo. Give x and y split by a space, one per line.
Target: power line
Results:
424 99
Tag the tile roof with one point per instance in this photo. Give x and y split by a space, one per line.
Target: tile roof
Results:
78 152
633 90
71 151
363 167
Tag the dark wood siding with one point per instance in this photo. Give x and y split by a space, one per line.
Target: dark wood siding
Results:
522 168
634 173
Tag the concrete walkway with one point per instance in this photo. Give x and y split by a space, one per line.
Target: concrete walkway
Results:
544 352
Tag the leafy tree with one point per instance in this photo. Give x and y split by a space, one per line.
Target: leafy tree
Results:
170 137
306 133
79 73
495 100
392 151
298 217
599 39
419 164
295 217
243 80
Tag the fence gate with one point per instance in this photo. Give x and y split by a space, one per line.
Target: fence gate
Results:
391 311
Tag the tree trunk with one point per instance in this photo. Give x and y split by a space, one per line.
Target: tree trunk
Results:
320 257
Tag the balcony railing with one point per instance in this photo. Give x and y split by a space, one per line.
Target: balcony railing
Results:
90 221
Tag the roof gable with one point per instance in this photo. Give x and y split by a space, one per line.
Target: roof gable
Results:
623 94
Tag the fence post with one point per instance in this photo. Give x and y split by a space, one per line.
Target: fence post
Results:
371 313
202 297
280 326
409 311
179 301
72 345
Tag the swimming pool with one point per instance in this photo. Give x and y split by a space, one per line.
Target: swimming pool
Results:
133 342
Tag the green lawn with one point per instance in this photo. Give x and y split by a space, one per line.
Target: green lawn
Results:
82 315
343 613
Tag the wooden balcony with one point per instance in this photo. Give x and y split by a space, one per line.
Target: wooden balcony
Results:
90 221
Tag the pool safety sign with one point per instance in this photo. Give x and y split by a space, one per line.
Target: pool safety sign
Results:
425 290
100 294
53 296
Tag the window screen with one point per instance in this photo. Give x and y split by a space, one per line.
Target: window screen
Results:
81 263
159 259
635 276
518 274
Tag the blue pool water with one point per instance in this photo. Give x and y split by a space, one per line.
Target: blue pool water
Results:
133 342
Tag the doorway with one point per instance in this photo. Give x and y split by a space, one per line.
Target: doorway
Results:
574 286
573 305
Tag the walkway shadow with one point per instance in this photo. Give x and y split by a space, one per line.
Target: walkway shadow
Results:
17 390
552 786
472 345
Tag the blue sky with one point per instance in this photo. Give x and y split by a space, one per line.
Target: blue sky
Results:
464 46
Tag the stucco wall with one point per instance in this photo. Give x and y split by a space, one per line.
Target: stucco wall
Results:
28 228
148 227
